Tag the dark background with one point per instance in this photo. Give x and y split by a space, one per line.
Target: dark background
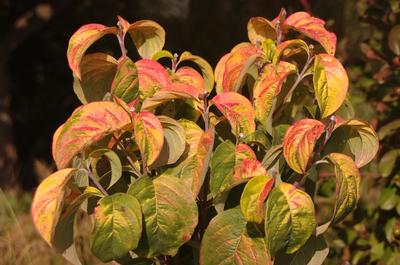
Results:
36 93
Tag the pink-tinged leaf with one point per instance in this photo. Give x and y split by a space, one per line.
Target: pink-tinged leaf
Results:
149 136
125 84
81 40
268 87
299 142
313 28
243 151
237 110
152 77
219 72
330 83
253 197
248 168
148 37
48 202
237 65
191 77
289 48
87 125
260 29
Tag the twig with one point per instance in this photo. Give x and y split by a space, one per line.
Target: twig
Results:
95 181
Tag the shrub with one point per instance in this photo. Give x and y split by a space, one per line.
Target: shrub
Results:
172 170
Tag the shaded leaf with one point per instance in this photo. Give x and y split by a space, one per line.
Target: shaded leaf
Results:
115 163
289 48
388 162
125 84
260 29
389 129
394 40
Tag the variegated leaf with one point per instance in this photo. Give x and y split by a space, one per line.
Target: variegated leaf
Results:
152 77
125 84
260 29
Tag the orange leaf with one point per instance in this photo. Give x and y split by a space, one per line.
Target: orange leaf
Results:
268 87
313 28
81 40
259 29
87 125
219 72
191 77
299 142
152 77
237 110
149 136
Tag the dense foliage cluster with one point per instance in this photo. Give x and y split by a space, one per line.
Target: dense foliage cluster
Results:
186 165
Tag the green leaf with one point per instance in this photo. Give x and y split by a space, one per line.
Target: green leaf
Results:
174 142
126 82
388 162
230 240
258 137
117 227
313 252
389 198
272 156
162 54
207 71
97 74
289 218
169 210
113 159
253 197
389 129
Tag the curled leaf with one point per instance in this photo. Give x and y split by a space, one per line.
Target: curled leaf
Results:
330 83
260 29
299 142
289 48
87 125
191 77
237 110
81 40
219 73
313 28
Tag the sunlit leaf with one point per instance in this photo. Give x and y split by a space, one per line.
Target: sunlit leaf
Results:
237 65
260 29
219 73
169 210
299 142
191 77
162 54
148 37
81 40
330 83
289 218
230 240
87 125
289 48
253 197
117 228
268 87
204 66
152 77
313 28
238 111
49 201
149 136
125 84
97 74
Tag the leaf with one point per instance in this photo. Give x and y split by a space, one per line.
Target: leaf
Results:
117 228
191 77
289 48
299 142
169 210
268 87
229 239
313 28
388 162
232 165
237 65
152 77
389 198
149 136
81 40
347 185
394 40
205 68
162 54
252 200
289 218
361 139
238 111
170 92
148 37
260 29
389 129
49 201
219 73
258 137
192 170
313 252
125 84
330 83
97 74
115 163
272 156
174 142
87 125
